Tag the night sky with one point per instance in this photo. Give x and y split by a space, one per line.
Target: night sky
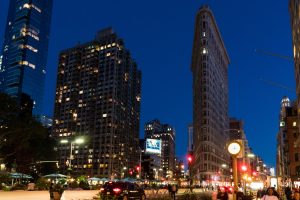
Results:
159 35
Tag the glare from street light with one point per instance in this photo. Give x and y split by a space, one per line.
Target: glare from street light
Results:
79 141
224 165
250 155
64 141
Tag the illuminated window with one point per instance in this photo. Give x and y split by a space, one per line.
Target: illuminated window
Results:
30 32
108 54
28 47
26 5
29 6
294 123
126 77
104 115
204 51
81 92
27 64
138 98
74 116
68 99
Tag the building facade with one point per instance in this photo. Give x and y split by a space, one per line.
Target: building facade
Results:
25 49
98 96
190 138
288 148
164 132
210 99
295 25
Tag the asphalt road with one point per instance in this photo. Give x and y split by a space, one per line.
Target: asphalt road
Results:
78 194
44 195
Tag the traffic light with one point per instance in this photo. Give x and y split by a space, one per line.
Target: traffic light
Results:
138 168
190 157
244 168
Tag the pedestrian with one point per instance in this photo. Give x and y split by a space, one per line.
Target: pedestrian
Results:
170 190
222 194
270 195
296 195
174 191
51 190
259 194
288 193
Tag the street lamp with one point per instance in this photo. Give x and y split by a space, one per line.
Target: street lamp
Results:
140 163
76 141
234 149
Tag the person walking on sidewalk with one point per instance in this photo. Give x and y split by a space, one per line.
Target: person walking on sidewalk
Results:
270 195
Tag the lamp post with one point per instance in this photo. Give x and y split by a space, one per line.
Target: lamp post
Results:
76 141
234 149
140 163
190 160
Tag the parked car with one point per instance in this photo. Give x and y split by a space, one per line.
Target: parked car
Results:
122 190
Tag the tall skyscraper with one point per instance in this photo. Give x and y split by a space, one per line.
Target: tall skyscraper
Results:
164 132
210 99
98 96
294 8
24 54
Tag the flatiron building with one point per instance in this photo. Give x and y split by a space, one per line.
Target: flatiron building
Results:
210 100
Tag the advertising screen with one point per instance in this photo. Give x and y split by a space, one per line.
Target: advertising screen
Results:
153 146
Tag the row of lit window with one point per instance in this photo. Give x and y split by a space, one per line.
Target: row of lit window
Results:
28 47
108 46
27 64
29 32
29 6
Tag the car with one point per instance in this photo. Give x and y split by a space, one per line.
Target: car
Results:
122 190
228 189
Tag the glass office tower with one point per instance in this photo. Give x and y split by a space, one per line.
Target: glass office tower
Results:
24 54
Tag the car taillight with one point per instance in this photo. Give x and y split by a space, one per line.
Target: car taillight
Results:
117 190
101 189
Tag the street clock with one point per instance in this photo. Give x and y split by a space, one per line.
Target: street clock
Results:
234 148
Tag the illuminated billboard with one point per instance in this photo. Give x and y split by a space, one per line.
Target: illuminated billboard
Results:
153 146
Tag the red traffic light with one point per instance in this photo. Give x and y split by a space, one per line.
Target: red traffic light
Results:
244 168
190 159
137 168
254 173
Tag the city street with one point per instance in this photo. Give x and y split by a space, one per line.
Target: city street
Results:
75 194
44 195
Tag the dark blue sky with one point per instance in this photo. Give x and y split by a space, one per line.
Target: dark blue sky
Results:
159 35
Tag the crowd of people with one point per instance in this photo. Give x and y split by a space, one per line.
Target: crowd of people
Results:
271 194
266 194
